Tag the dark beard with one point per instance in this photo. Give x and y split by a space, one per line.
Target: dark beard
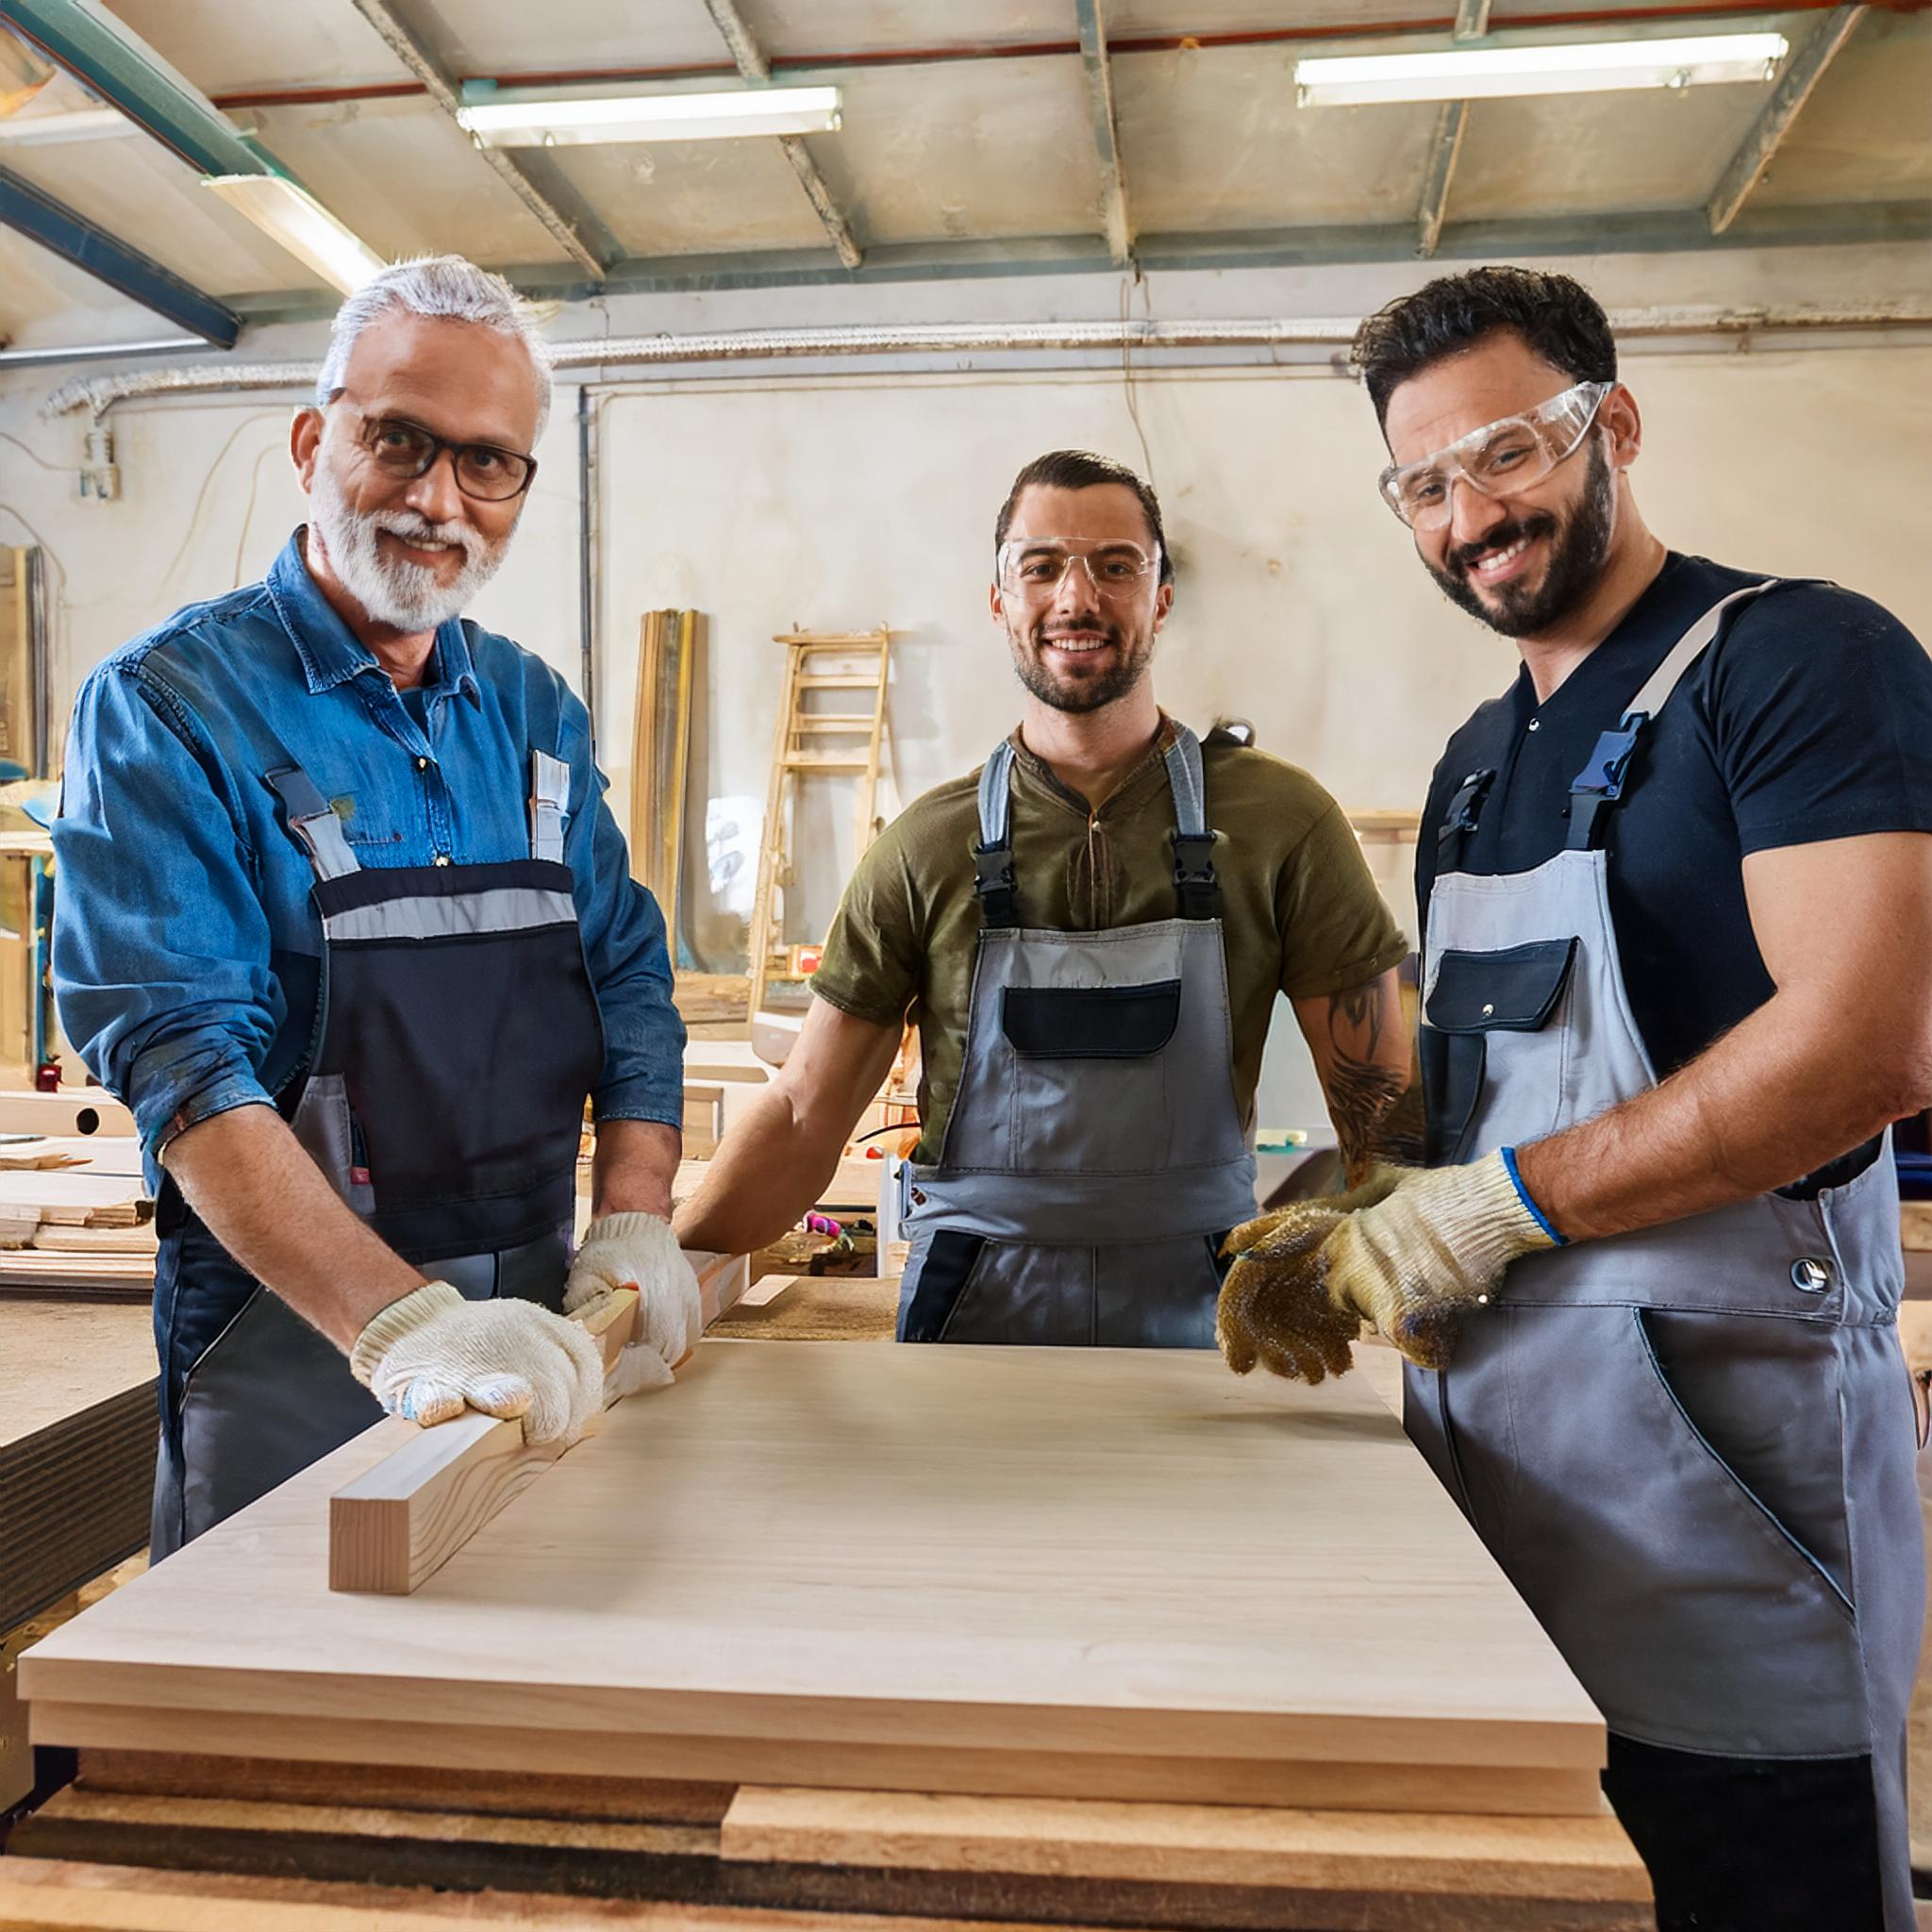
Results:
1579 545
1091 693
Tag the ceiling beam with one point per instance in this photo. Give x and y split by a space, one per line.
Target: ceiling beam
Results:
106 57
1452 122
575 232
749 59
57 228
1801 75
1445 144
1113 180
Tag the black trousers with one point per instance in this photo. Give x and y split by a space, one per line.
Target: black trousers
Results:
1750 1844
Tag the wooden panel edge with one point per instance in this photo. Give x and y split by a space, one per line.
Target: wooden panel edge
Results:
1531 1792
1569 1858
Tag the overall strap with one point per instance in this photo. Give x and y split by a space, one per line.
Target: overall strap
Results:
993 857
549 795
1600 785
1461 819
1193 843
312 822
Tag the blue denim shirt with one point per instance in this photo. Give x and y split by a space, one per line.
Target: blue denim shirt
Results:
184 939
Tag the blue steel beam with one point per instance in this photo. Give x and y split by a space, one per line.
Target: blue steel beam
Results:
96 50
74 238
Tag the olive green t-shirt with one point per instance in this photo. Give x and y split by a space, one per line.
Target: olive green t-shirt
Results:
1300 913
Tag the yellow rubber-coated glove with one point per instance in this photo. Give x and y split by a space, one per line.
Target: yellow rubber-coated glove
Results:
432 1354
1426 1250
1272 1309
640 1251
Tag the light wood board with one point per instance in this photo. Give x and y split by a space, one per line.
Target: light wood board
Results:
1188 1844
402 1521
1056 1573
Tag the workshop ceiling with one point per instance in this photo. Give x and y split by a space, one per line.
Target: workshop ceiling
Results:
968 145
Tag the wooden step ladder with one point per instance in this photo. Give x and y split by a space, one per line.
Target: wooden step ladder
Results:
845 740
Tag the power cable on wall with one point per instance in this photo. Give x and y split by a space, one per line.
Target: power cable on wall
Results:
206 484
33 456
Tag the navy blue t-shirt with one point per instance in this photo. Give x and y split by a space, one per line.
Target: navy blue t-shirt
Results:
1808 718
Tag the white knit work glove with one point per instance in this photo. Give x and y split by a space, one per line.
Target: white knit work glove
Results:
431 1354
1413 1252
640 1251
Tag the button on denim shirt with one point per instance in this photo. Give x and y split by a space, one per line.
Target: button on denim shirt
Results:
186 947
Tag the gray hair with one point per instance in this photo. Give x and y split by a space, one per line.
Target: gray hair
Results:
444 285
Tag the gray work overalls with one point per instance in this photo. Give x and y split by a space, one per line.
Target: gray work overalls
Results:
455 1037
1583 1424
1094 1156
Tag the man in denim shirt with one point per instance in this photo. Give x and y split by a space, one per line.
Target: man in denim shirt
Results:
344 921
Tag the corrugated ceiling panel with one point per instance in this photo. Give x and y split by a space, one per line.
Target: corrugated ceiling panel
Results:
221 45
45 299
141 193
406 179
932 155
693 197
1212 140
1866 134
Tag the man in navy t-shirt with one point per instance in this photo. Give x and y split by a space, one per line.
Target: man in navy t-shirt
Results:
1677 894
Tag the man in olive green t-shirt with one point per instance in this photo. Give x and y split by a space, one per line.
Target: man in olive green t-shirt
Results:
1090 932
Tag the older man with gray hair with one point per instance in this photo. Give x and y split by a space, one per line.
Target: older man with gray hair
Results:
345 922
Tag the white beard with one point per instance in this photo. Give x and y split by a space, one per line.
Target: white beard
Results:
408 597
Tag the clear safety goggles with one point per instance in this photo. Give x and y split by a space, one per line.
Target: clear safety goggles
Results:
1499 460
1036 567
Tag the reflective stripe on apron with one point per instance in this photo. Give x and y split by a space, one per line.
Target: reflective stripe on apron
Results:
1768 1609
456 1035
1094 1156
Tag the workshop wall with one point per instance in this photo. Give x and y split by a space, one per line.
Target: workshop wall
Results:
839 502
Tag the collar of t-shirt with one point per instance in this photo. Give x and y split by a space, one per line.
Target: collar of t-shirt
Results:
1612 674
1134 791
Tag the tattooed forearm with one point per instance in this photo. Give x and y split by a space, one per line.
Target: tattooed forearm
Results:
1361 1053
1361 1096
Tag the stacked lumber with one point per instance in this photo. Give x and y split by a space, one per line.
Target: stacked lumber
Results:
78 1425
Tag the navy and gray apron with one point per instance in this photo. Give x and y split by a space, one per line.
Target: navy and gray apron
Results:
456 1035
1094 1156
1690 1448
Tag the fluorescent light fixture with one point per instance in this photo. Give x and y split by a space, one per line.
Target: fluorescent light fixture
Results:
527 120
78 124
292 217
1467 74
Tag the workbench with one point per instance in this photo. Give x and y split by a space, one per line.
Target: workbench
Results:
163 1839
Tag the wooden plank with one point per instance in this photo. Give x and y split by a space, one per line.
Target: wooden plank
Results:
589 1744
81 1111
1915 1226
816 1308
63 1895
1190 1844
416 1788
704 1119
1025 1571
404 1519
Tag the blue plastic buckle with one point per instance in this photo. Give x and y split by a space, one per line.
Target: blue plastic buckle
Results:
1603 776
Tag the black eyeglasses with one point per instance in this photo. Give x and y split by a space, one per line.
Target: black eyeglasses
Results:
405 450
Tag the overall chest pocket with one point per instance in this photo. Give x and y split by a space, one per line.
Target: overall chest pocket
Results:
1486 1033
1090 1075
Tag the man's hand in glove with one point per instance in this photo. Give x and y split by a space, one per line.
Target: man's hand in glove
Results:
1410 1251
432 1354
640 1251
